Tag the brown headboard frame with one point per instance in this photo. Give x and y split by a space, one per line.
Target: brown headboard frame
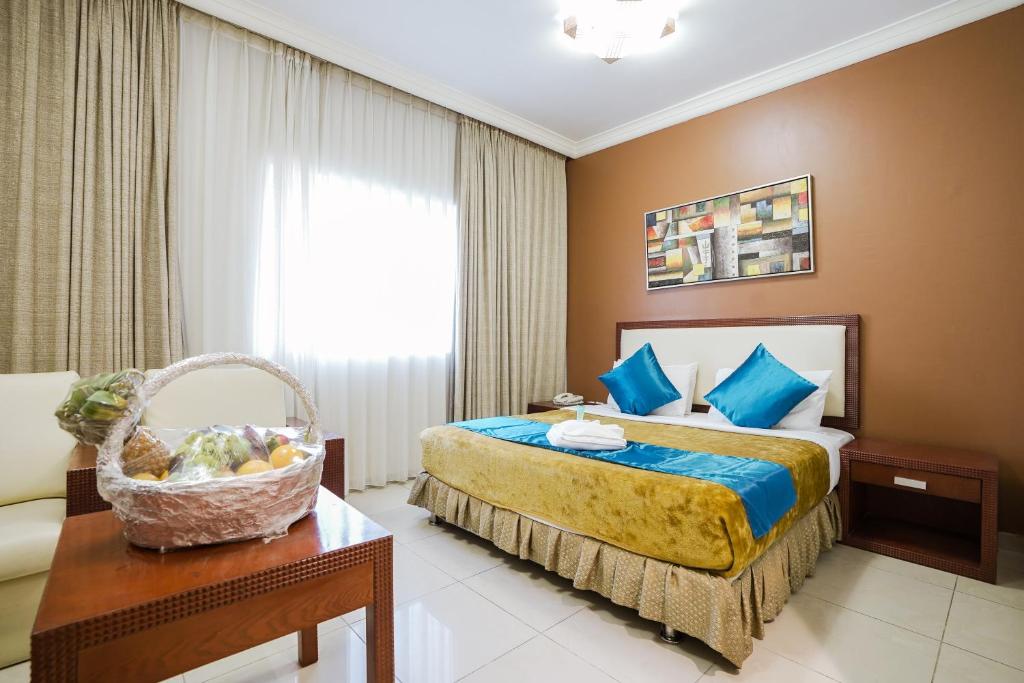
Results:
851 419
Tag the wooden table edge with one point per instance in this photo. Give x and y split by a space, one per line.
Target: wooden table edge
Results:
63 642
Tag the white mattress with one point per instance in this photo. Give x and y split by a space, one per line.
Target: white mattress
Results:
828 438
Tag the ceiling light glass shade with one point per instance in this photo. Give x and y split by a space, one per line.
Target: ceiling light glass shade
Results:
612 29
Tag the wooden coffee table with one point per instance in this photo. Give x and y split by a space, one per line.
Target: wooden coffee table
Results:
114 612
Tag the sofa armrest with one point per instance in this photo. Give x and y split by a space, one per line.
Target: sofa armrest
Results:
82 496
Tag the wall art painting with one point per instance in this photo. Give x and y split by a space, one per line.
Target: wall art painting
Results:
764 231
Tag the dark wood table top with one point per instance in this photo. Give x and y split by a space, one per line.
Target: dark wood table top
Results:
925 455
82 457
554 406
98 571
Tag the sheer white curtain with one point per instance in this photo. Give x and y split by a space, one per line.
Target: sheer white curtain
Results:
318 229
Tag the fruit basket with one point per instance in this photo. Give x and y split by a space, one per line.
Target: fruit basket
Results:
176 512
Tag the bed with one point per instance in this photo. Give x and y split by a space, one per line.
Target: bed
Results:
679 550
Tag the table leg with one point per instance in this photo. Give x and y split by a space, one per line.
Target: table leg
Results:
308 653
380 630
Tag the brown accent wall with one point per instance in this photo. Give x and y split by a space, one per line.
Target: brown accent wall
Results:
918 165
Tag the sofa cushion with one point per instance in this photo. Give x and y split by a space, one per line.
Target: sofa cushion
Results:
28 536
228 396
34 450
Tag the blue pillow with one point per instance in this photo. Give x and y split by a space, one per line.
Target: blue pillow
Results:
639 385
759 392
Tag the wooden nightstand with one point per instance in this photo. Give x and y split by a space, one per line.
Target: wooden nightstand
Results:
545 406
541 407
924 504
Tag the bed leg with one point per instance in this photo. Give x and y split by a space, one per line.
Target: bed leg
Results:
669 634
434 520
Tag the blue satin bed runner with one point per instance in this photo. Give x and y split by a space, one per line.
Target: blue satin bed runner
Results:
766 488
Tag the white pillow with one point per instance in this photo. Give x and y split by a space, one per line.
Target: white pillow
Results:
683 378
805 415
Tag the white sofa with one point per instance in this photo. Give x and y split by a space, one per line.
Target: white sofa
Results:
34 454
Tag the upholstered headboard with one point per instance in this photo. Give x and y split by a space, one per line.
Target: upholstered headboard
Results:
810 342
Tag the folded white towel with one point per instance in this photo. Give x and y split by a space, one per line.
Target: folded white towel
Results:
564 442
591 428
586 435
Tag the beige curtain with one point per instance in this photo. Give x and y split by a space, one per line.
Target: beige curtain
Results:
510 312
88 272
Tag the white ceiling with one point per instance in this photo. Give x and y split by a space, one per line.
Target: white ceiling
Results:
505 62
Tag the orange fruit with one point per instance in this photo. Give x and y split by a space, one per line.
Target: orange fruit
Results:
285 455
254 467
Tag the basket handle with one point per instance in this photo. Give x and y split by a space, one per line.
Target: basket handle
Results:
161 378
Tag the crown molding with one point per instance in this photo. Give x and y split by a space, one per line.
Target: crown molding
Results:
917 27
914 28
301 36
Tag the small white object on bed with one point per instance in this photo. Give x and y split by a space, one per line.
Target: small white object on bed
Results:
587 435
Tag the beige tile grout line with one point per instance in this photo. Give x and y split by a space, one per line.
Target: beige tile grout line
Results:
790 659
980 656
539 634
870 565
487 599
884 621
963 649
945 625
990 600
849 609
463 583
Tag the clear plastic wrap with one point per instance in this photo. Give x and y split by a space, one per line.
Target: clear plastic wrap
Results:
220 451
94 404
185 487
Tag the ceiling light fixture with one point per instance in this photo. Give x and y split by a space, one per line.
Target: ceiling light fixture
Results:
613 29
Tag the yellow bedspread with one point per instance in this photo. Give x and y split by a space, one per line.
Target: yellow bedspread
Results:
685 521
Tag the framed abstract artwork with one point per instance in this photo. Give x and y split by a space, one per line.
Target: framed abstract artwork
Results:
763 231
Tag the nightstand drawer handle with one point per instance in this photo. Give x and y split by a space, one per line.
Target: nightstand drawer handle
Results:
911 483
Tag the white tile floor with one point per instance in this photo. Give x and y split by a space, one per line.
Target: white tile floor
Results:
464 610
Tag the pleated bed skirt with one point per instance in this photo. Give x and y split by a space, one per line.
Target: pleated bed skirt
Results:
724 613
